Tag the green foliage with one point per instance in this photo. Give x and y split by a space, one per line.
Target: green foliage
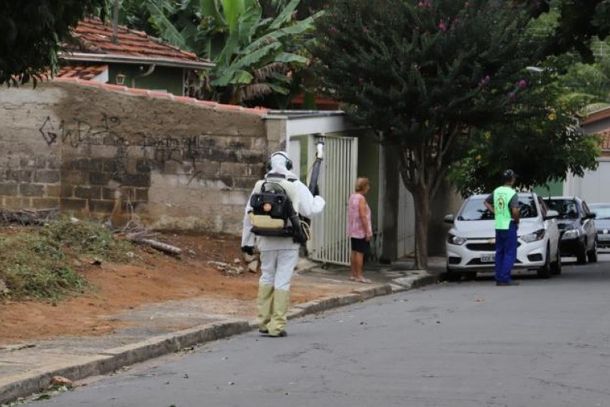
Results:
424 73
540 151
87 238
32 265
259 57
578 22
255 55
446 84
37 263
30 33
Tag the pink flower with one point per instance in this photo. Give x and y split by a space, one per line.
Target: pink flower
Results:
522 84
442 26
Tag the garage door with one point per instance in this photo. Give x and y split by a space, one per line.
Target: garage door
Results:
594 186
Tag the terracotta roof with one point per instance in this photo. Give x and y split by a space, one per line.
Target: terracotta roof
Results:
164 95
93 41
86 72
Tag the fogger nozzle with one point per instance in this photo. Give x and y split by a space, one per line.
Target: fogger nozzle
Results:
320 150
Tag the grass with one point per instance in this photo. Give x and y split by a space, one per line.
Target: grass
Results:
88 238
36 263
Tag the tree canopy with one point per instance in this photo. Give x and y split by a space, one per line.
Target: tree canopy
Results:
432 76
30 33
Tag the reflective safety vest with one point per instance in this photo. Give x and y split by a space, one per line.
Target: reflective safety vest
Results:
503 215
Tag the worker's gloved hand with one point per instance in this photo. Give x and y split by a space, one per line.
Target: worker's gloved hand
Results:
248 250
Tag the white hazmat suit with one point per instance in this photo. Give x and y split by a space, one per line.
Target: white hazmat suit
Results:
279 255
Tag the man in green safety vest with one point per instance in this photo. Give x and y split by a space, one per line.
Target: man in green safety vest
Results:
504 204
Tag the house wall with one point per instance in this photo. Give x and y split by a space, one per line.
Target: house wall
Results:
88 150
593 187
163 78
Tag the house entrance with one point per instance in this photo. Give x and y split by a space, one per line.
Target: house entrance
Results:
330 243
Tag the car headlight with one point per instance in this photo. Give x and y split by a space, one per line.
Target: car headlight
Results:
457 240
533 237
571 234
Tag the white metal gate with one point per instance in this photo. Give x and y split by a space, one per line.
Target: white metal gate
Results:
330 243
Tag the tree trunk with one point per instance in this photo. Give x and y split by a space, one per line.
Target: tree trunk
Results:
389 249
421 199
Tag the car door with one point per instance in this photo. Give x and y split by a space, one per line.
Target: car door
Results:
589 226
550 225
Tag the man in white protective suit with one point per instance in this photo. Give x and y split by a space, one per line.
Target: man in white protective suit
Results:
278 251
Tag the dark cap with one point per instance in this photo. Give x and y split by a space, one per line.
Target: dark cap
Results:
508 175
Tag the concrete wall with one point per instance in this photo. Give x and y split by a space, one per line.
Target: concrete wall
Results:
91 149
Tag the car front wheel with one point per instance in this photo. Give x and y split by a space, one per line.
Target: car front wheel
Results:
545 271
556 265
592 255
581 255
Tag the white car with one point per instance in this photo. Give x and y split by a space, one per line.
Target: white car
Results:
471 241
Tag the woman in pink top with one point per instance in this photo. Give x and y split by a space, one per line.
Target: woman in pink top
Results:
359 228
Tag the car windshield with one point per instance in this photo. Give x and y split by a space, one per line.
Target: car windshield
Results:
567 208
474 209
601 211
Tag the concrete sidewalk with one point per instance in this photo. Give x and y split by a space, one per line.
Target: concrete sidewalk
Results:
176 325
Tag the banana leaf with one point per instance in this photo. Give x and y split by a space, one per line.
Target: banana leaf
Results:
285 15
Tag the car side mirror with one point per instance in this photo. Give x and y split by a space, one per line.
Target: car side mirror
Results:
592 215
551 215
449 219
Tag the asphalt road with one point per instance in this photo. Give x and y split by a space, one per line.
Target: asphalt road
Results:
544 343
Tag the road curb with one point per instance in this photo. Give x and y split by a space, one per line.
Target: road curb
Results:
112 359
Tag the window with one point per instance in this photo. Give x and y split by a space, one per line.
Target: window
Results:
474 209
567 208
601 211
527 207
543 208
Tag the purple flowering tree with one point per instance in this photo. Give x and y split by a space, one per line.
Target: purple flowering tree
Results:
428 75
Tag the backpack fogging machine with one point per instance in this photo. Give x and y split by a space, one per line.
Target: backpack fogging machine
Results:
313 186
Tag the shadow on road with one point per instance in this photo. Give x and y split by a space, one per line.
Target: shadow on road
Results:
591 272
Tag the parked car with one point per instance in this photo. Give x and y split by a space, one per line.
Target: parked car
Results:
577 228
471 245
602 223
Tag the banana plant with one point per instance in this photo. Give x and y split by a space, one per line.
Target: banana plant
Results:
256 60
254 56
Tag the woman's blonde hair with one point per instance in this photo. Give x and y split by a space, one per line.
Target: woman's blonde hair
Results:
362 183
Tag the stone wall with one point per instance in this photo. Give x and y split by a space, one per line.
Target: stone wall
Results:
100 149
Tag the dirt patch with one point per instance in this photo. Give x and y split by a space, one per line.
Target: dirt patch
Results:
150 278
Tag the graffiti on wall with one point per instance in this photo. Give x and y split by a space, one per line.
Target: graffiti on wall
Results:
80 132
158 148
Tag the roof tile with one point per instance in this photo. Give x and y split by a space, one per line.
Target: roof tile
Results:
94 36
86 72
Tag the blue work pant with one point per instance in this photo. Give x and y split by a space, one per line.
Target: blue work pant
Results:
506 252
